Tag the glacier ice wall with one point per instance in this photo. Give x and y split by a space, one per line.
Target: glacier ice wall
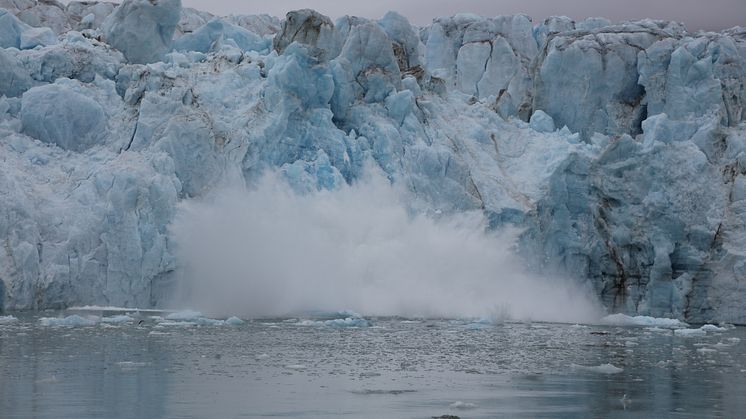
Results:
620 149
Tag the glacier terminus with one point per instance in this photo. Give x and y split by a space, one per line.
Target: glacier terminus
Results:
617 150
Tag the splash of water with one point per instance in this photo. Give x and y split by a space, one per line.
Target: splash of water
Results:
269 251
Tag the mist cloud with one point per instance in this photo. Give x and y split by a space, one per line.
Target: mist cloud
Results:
271 252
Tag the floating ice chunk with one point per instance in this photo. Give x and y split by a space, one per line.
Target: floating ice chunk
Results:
184 315
462 405
8 319
541 122
234 321
645 321
191 317
346 322
657 329
72 321
297 367
689 333
117 319
601 369
706 351
713 328
142 29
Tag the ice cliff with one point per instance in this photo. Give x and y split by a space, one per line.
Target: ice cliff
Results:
619 148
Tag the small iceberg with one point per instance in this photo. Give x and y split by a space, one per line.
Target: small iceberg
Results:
620 319
234 321
462 405
713 328
337 319
8 319
192 318
600 369
689 333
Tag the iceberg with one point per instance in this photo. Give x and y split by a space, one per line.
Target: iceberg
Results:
234 321
618 149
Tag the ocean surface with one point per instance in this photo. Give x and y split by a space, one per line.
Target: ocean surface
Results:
147 367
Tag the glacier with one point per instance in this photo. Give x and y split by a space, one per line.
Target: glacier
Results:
618 148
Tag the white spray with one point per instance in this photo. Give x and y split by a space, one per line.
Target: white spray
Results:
271 252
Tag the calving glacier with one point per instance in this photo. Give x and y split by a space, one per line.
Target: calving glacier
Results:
617 149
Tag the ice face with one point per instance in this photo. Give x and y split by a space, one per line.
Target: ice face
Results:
17 34
619 148
14 79
307 27
57 114
216 32
142 29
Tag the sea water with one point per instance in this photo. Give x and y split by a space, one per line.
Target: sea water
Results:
145 366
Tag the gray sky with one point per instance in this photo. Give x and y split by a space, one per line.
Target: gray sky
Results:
696 14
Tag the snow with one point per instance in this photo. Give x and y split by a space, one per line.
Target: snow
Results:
617 148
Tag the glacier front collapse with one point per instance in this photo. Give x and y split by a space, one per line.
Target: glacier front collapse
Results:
620 149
